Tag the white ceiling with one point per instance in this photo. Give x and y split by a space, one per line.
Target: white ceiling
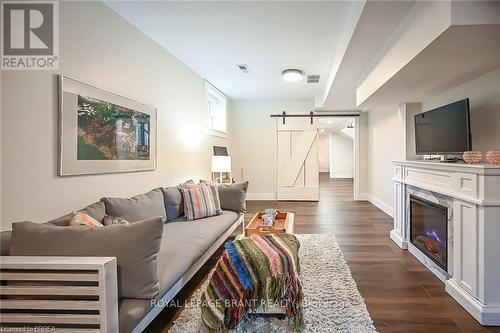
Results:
334 124
212 37
343 41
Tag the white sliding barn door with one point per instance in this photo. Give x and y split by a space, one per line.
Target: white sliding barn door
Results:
297 160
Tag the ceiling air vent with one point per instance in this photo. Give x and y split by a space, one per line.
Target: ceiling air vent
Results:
243 68
313 79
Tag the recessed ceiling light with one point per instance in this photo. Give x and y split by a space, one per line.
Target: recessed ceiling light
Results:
292 75
329 121
322 130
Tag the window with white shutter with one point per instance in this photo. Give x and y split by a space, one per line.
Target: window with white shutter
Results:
216 111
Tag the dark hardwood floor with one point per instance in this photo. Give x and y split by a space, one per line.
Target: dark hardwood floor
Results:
400 293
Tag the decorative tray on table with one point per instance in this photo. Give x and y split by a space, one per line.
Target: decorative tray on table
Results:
283 222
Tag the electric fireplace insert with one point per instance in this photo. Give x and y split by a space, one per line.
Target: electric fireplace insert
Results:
429 229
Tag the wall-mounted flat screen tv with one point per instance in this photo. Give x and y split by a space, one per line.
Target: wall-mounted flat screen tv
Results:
444 130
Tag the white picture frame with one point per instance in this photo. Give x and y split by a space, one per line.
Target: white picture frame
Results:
80 153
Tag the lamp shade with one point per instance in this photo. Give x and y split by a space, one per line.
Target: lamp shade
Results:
221 164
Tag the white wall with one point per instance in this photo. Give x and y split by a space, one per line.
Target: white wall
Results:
253 140
99 47
324 152
341 165
484 95
385 144
364 156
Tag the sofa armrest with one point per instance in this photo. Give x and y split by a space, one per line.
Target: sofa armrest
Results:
53 291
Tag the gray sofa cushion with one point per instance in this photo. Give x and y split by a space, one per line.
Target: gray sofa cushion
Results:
5 242
185 242
174 204
62 221
135 246
96 210
130 313
137 208
232 196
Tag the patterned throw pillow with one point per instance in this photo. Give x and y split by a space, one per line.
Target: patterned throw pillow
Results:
110 220
81 219
200 200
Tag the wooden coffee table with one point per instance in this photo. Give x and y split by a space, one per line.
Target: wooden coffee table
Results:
283 223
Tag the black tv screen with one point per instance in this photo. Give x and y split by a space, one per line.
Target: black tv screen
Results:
444 130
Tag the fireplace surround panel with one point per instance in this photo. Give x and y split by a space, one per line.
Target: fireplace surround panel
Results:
471 196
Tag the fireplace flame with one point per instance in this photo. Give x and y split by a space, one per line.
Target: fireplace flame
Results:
433 234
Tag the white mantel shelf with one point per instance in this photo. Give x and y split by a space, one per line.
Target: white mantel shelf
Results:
472 195
479 168
457 180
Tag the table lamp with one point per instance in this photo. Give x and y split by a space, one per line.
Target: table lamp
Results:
221 164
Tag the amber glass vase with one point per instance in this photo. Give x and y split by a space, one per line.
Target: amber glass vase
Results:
493 157
473 157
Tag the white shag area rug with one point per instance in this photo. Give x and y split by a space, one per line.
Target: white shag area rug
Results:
332 302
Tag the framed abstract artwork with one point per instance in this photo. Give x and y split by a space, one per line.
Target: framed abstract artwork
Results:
102 132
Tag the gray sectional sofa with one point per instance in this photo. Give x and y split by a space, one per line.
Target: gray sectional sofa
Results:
185 245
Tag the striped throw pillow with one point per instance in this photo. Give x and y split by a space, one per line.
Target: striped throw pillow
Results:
81 219
200 200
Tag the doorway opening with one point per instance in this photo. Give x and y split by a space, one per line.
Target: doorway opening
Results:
337 150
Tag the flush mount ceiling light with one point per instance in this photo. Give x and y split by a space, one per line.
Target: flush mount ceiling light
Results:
292 75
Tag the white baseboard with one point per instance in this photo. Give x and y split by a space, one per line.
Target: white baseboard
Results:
261 196
380 205
362 197
398 240
340 175
485 314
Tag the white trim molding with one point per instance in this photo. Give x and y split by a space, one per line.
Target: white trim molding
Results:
485 314
212 91
361 197
376 202
380 205
261 197
341 176
396 238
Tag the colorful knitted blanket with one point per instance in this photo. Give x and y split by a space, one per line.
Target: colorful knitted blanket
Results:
254 272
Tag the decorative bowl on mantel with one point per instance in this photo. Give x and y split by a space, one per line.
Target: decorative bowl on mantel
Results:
493 156
472 157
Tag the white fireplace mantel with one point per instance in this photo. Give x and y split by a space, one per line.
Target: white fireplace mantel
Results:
473 195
